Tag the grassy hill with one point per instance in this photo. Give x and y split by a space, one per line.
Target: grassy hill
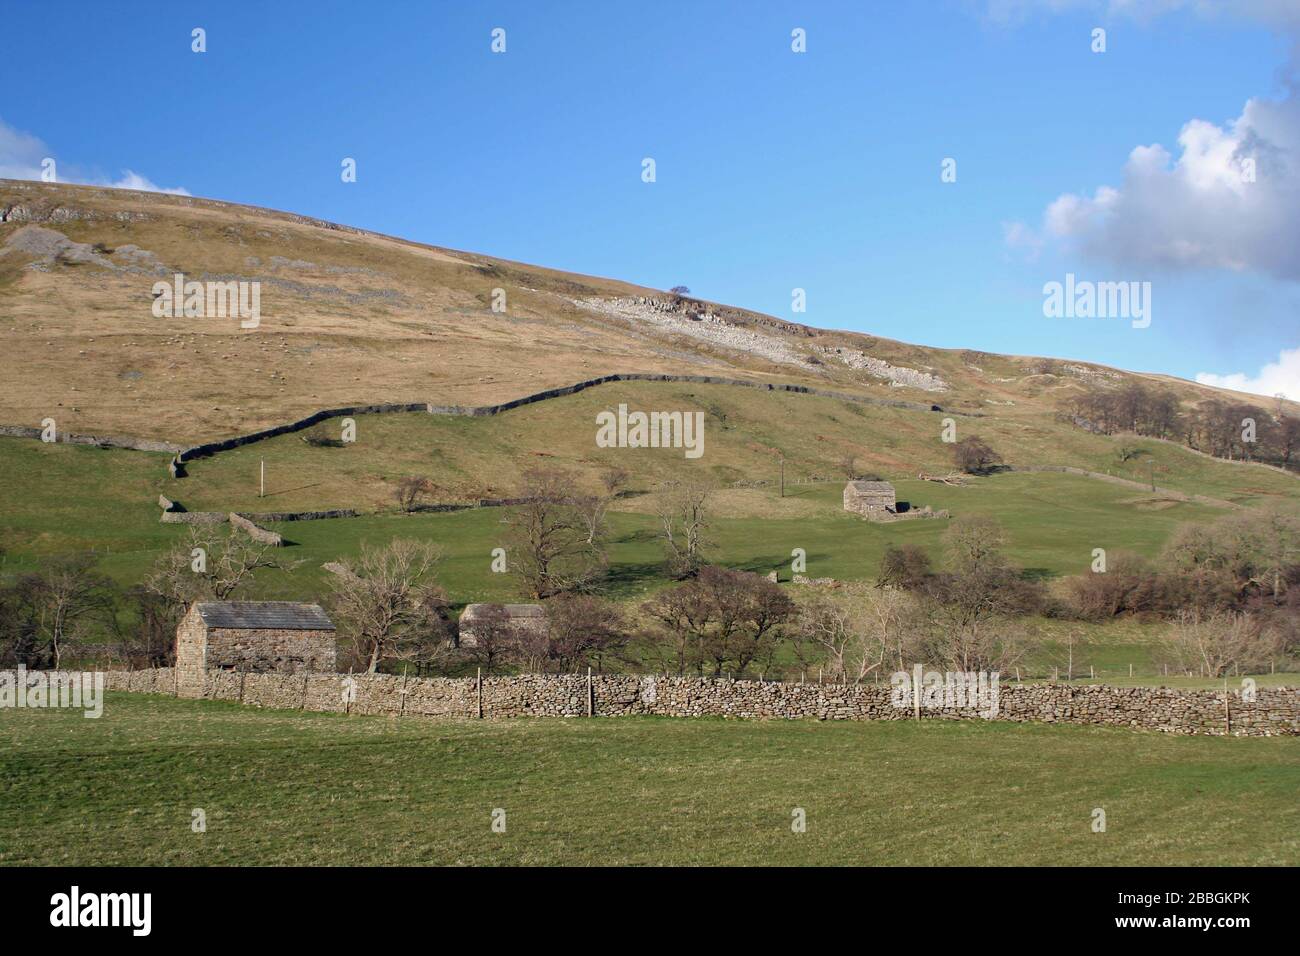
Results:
351 317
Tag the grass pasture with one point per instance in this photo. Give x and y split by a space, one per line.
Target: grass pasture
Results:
284 787
746 432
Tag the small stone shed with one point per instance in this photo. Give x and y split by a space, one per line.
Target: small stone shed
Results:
871 499
520 617
282 637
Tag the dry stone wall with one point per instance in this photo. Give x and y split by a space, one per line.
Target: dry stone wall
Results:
1273 712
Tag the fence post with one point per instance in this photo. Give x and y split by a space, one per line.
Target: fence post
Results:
479 682
243 674
1227 710
916 691
591 696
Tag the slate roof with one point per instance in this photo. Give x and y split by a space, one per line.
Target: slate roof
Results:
872 487
264 615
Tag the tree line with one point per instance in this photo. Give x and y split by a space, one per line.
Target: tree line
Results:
1235 430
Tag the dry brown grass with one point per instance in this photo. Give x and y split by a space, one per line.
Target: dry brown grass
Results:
368 318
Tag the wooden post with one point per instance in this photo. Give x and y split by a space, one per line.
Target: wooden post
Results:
591 696
1092 672
916 691
782 477
1227 710
401 708
480 693
1130 670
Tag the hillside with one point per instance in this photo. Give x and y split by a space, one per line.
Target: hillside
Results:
352 317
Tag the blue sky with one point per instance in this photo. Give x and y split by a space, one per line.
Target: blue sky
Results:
775 170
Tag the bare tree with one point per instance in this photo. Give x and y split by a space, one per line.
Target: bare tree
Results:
211 566
592 511
975 456
721 620
682 506
583 631
555 548
1212 644
859 632
497 639
411 490
905 566
70 597
973 600
389 605
614 479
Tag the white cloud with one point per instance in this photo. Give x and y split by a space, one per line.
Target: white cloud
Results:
133 180
1281 376
1020 237
21 155
1207 209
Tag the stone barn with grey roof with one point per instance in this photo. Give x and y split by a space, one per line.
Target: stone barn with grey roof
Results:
871 499
518 620
282 637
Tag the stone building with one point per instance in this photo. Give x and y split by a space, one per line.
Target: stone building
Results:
527 618
871 499
282 637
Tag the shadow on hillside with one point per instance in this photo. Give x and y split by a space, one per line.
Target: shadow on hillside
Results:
289 491
626 578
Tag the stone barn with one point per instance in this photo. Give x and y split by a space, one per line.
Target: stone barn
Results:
282 637
528 618
871 499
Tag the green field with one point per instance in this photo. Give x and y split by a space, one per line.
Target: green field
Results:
287 788
746 432
68 498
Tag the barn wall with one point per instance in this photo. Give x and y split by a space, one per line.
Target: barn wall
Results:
191 644
271 651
